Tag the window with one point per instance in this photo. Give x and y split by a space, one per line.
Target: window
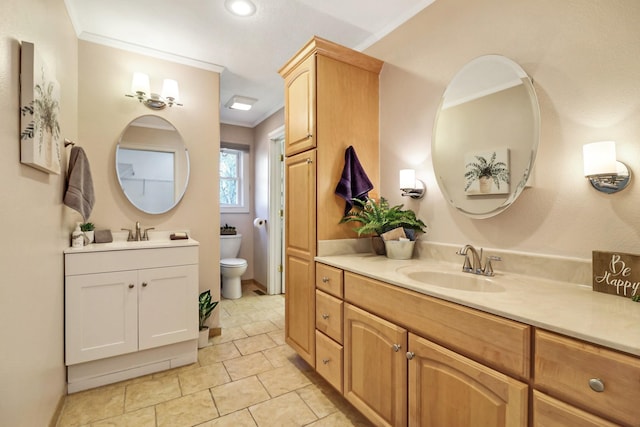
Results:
234 178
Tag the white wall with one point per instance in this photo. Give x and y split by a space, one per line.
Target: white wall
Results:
34 222
584 58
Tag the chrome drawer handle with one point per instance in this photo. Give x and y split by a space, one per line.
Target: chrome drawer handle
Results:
326 361
396 347
410 355
596 384
325 279
325 316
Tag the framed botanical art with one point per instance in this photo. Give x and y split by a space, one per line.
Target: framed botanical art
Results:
40 139
487 173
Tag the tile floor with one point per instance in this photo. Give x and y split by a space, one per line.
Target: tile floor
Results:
247 377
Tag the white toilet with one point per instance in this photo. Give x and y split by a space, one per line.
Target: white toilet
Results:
231 268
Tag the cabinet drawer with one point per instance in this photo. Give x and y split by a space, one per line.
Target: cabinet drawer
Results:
564 368
329 360
329 279
549 412
329 315
492 340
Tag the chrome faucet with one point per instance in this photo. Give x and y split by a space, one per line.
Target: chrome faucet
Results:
475 265
138 233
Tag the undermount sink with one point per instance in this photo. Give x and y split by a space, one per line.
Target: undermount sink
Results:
452 280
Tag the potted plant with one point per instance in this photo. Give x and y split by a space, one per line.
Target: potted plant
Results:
205 306
486 173
88 229
378 217
227 230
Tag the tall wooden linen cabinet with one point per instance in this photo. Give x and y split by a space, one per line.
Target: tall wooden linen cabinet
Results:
331 102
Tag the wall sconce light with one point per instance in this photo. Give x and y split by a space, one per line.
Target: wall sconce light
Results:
410 186
141 90
240 103
603 170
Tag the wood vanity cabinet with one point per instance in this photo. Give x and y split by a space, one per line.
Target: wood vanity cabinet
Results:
331 103
129 312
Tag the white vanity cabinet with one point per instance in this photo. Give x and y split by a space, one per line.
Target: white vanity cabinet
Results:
129 312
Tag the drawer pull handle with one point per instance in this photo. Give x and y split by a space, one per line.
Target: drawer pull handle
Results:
410 355
325 316
596 384
325 279
326 361
144 284
131 285
396 347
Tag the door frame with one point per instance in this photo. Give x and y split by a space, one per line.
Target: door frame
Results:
275 258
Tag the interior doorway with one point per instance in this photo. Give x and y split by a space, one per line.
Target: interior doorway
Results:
275 281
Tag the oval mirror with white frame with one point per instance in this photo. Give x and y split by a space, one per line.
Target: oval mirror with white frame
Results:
485 136
152 164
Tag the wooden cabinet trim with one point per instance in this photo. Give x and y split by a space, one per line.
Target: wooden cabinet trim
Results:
499 343
548 411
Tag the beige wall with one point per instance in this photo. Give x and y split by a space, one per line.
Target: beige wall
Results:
34 222
104 77
584 58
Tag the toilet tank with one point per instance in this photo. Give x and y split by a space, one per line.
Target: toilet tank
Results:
230 246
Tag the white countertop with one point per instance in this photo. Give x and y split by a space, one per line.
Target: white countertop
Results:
158 239
567 308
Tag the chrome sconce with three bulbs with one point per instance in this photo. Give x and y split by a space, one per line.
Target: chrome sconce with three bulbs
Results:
603 170
141 90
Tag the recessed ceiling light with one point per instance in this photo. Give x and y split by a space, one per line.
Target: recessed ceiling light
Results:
243 103
240 7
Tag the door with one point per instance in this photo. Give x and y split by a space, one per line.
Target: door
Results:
276 254
168 305
375 367
300 243
300 102
101 316
447 389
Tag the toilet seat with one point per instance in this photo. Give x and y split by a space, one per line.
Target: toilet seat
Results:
233 262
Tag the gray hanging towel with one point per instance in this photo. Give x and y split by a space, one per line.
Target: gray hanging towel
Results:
354 183
79 195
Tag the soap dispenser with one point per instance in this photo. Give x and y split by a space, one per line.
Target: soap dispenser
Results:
77 238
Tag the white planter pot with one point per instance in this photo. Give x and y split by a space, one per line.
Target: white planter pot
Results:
203 338
90 237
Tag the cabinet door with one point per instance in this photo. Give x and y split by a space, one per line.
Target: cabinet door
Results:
300 244
375 367
300 100
168 305
101 316
447 389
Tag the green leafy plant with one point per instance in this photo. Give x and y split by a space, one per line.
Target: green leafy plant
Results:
497 171
87 226
378 217
206 306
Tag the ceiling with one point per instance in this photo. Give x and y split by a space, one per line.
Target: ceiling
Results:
246 51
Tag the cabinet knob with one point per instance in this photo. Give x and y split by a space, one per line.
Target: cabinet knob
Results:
325 279
144 284
596 384
396 347
410 355
309 161
326 361
309 136
131 286
325 316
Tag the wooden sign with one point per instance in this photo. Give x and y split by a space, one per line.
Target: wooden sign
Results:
616 273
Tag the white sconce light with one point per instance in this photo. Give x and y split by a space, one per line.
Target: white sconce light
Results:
240 103
142 91
604 171
409 185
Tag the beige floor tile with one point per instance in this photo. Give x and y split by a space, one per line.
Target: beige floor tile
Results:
321 399
228 335
247 366
189 410
145 417
92 405
238 395
277 336
235 320
261 327
262 313
176 371
203 378
254 344
283 380
281 355
236 419
339 419
283 411
151 392
217 353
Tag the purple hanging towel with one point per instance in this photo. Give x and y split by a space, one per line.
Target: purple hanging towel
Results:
354 183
